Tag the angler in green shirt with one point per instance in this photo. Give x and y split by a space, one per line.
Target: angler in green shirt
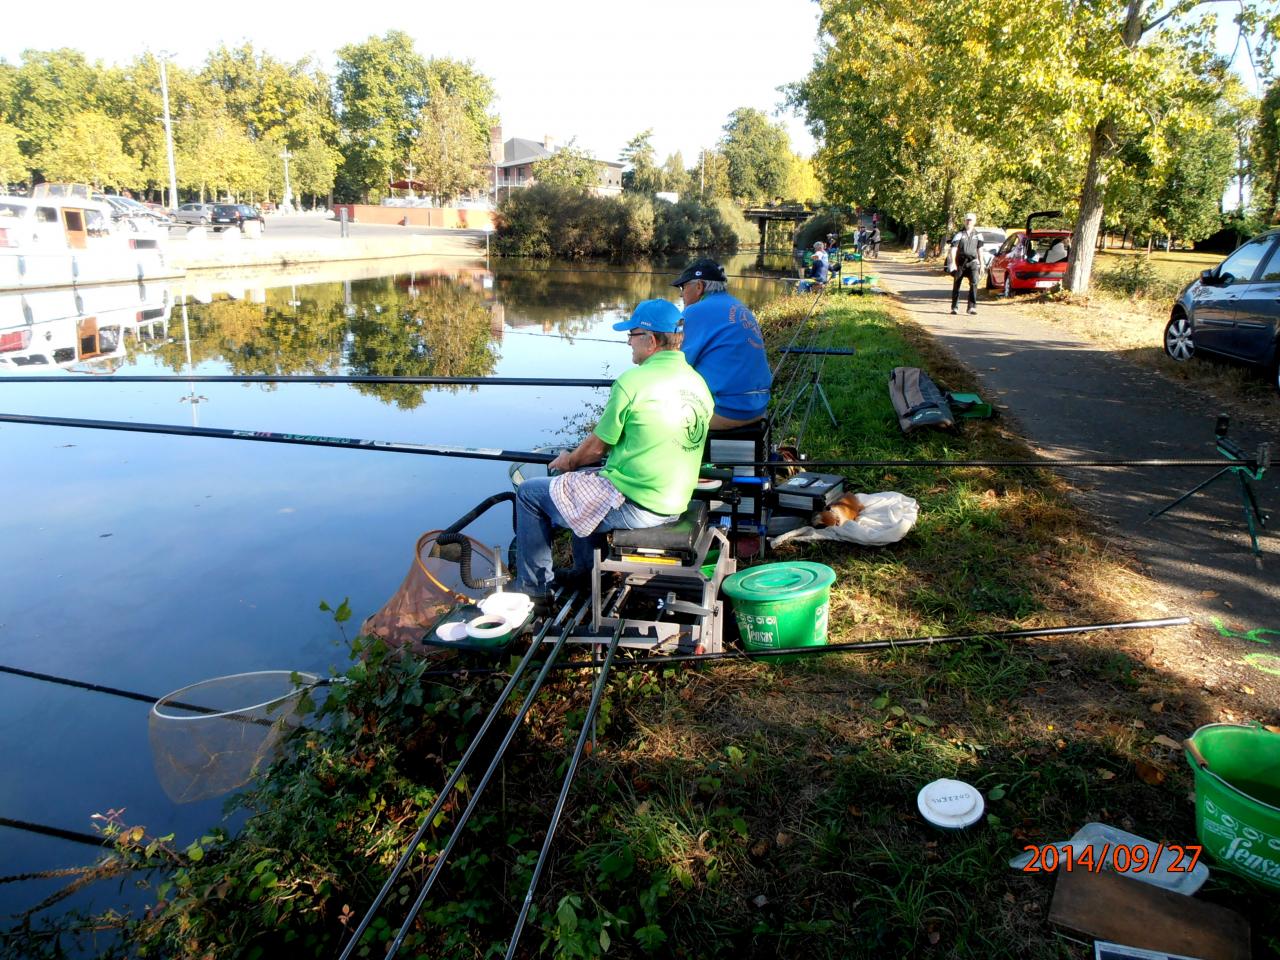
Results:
653 429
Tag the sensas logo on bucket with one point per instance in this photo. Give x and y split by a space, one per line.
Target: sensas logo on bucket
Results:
762 631
1247 846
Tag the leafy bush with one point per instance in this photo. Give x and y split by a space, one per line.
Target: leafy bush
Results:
1137 277
819 226
549 220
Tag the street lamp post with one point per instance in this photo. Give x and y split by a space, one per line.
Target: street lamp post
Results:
411 169
168 132
287 201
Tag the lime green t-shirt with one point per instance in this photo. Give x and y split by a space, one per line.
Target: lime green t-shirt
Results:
656 421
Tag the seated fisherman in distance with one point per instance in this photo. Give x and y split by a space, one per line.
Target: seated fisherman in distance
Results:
653 429
722 341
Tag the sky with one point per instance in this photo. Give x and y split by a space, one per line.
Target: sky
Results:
600 72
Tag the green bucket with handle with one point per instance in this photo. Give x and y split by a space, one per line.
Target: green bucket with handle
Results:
782 605
1237 771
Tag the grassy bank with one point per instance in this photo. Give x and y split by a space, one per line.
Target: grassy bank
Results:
751 809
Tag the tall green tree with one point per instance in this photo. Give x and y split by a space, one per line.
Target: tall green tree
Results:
447 156
674 176
45 91
644 176
87 149
382 87
758 154
13 165
570 166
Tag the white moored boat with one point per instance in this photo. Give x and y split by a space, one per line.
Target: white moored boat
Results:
62 237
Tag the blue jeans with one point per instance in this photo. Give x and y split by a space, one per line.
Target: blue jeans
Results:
536 518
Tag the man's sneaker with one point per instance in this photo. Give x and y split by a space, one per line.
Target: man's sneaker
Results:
954 311
973 311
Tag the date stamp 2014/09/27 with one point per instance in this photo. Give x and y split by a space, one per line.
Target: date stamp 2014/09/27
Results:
1120 857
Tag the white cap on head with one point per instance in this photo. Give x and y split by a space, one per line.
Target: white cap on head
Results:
970 216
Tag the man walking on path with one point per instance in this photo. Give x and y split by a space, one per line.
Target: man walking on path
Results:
966 248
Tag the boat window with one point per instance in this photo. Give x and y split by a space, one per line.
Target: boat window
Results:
12 210
34 360
96 223
46 215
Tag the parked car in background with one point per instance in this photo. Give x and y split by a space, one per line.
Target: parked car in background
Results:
993 239
1232 310
226 215
194 213
1030 259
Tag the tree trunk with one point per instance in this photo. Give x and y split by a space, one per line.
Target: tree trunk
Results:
948 199
1085 236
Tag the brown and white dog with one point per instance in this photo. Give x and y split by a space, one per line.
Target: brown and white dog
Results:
846 508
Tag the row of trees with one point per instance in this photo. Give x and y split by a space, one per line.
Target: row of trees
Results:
753 161
386 114
387 107
1117 111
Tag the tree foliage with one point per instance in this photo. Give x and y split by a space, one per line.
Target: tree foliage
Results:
925 108
87 149
13 166
643 176
447 156
757 153
570 166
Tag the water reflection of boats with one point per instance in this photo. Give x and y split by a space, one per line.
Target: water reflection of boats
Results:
62 237
83 330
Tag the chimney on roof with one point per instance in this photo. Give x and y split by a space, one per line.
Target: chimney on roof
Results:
549 143
495 144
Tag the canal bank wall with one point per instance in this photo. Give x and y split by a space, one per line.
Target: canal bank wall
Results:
229 250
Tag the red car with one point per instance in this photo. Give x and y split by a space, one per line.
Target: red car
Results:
1031 259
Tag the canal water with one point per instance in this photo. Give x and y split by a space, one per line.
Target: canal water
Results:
149 562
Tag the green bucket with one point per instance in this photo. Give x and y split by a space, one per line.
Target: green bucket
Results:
1237 771
782 605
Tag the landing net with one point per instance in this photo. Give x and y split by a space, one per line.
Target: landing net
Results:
211 737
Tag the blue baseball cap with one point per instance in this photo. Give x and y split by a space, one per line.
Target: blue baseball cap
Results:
661 316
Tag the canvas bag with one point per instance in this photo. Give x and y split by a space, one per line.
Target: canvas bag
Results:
917 400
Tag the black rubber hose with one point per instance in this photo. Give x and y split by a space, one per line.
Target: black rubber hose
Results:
464 561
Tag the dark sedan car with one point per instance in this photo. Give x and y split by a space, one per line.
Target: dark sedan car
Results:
1232 310
226 215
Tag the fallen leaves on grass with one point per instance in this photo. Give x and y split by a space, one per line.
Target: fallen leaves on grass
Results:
1148 773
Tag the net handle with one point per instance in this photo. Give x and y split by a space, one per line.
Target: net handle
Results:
417 557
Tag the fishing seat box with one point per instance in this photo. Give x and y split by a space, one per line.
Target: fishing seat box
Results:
749 443
671 575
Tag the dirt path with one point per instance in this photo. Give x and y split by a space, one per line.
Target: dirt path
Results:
1074 399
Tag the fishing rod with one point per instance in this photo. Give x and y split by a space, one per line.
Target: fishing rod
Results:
864 646
534 689
75 836
534 456
264 436
458 770
320 378
588 724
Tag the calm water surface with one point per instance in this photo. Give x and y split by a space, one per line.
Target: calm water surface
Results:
149 562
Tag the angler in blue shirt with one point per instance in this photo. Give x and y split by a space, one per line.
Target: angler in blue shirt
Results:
722 341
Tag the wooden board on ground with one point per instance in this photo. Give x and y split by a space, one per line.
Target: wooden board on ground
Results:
1109 906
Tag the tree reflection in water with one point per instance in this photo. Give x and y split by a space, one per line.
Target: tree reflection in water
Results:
392 326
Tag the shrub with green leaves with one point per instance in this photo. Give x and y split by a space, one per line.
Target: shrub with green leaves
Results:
549 220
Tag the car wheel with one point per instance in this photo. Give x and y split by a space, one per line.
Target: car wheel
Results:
991 284
1008 284
204 221
1178 341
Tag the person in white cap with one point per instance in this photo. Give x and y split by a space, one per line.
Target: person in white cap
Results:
967 248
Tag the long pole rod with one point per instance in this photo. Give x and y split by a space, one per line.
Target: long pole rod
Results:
866 646
168 131
554 824
319 378
263 436
516 722
532 456
447 790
